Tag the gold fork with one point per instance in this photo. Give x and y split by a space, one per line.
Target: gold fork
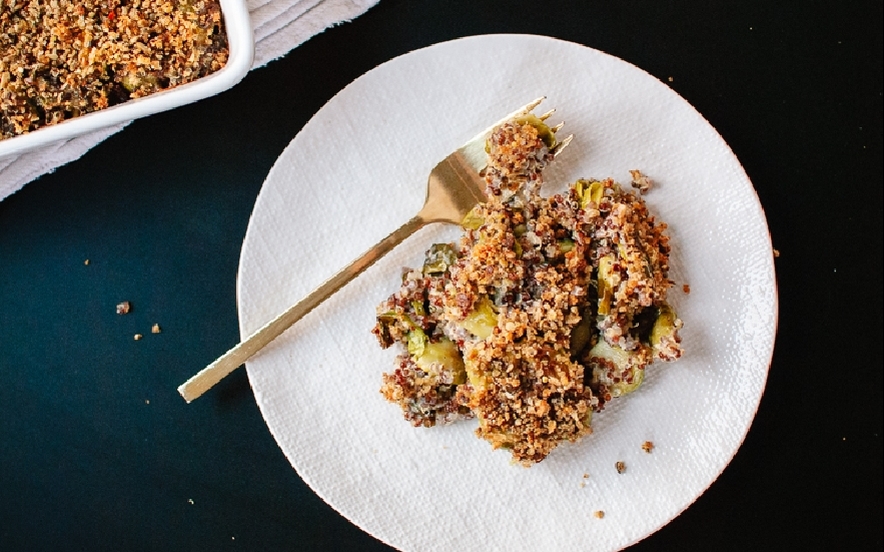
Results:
453 189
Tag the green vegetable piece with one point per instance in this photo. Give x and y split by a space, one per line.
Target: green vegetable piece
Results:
664 326
130 82
482 321
473 221
627 362
589 191
439 257
566 245
418 307
417 341
442 352
606 283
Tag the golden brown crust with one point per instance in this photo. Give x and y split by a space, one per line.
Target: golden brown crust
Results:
533 264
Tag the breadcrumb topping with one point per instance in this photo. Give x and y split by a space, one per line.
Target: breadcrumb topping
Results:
546 309
60 59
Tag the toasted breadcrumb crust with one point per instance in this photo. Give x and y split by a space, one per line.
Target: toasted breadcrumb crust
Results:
60 59
530 264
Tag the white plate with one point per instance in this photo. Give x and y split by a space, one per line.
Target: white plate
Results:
358 170
241 51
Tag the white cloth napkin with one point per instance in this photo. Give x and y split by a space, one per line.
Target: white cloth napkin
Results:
279 26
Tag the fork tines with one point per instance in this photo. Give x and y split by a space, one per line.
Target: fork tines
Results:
557 149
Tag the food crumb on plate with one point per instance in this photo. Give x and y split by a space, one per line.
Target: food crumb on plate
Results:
155 329
648 446
620 466
686 288
124 307
599 514
640 181
137 337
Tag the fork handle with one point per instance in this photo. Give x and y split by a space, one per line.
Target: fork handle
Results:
235 357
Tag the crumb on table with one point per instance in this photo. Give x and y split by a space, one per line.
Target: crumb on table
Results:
124 307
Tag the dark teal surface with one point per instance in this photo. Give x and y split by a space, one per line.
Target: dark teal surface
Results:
99 452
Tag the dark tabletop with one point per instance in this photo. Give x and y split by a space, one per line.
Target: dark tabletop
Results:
99 452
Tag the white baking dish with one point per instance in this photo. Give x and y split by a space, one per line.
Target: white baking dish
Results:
242 49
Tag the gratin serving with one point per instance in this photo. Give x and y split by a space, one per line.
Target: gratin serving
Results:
61 59
547 308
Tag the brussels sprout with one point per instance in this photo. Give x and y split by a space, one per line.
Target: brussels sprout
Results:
482 320
664 338
439 257
664 326
473 220
444 352
628 367
589 191
606 283
417 341
418 307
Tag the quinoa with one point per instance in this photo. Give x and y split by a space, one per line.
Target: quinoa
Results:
546 309
60 59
